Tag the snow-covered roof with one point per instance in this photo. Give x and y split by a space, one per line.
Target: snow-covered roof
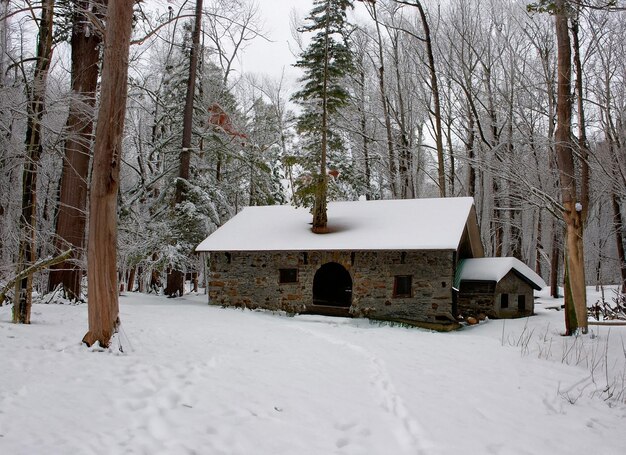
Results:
494 269
407 224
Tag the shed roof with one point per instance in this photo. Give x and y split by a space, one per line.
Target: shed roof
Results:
494 269
407 224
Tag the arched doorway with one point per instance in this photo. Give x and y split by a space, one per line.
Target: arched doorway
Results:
332 290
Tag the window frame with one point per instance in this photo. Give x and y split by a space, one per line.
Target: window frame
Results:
285 270
396 280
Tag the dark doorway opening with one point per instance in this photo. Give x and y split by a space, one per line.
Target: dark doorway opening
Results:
332 290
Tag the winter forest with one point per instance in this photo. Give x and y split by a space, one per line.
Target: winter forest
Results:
131 130
521 105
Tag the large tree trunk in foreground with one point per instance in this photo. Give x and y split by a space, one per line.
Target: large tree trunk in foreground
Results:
102 247
575 292
36 99
72 216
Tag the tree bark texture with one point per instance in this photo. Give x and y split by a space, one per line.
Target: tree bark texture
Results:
618 226
471 156
574 253
185 154
384 103
177 276
434 87
131 279
538 244
175 283
583 144
72 215
555 256
364 134
102 246
28 217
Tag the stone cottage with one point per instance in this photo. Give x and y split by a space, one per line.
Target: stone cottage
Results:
389 260
496 287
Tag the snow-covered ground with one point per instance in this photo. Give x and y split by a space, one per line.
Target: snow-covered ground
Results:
209 380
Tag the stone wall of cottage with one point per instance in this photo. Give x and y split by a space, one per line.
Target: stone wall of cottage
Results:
514 286
473 302
251 279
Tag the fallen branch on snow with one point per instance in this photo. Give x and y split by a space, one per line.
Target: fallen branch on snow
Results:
36 267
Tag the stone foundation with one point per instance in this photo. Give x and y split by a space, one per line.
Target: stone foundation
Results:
251 279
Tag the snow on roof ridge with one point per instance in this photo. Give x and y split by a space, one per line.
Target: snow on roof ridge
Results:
391 224
494 269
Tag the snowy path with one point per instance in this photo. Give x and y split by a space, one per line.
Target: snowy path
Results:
208 380
404 427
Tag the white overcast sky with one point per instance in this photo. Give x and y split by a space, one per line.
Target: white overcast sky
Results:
271 58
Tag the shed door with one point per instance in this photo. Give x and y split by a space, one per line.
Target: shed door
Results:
332 286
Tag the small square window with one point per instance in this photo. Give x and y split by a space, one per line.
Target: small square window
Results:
288 275
402 286
504 300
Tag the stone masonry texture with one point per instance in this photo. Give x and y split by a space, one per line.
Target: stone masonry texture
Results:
251 280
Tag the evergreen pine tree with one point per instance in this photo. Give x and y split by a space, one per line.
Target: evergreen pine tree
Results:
326 62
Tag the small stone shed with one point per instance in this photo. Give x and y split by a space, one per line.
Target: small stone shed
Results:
496 287
390 260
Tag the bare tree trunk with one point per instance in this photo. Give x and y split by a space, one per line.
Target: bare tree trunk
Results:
618 225
385 105
365 137
175 277
538 243
434 87
140 280
583 145
554 261
185 154
471 155
131 279
175 283
405 182
102 247
575 269
450 147
72 216
4 38
28 217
